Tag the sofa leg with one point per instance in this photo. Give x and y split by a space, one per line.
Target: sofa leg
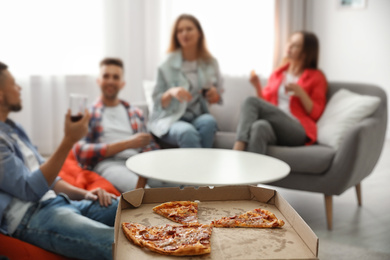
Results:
329 210
359 194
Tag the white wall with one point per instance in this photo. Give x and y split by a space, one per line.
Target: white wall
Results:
355 43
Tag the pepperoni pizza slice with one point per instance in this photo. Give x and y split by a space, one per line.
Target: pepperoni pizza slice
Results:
257 218
183 212
185 240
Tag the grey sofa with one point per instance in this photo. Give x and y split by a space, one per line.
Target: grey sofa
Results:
315 168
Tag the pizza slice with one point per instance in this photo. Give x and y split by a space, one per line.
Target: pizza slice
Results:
183 212
257 218
185 240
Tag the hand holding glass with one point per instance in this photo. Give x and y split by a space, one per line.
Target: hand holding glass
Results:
77 105
208 85
287 81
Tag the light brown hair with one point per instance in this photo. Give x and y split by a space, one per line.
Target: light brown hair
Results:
174 45
310 51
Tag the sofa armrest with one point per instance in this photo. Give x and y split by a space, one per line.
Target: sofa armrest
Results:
357 155
353 161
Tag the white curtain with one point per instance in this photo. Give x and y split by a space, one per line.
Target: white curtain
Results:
239 34
45 102
45 37
290 16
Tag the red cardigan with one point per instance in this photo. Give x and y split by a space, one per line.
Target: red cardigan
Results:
315 85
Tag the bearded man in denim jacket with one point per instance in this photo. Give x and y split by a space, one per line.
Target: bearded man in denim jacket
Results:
38 207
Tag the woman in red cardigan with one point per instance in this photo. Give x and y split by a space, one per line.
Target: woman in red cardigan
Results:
286 110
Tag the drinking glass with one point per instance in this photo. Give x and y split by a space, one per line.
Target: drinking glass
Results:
77 105
209 83
287 80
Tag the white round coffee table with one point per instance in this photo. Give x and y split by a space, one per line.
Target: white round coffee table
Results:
207 167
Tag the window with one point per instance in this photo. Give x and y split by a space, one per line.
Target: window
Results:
240 34
51 37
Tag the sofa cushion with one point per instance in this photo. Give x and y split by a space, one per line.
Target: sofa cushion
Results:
344 109
312 159
148 87
224 140
236 90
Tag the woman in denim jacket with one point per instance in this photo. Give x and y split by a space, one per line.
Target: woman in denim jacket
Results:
187 82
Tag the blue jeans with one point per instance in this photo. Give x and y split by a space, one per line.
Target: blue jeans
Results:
195 134
76 229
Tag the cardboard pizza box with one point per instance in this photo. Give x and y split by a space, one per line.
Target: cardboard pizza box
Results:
295 240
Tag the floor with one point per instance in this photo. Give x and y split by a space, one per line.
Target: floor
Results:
358 232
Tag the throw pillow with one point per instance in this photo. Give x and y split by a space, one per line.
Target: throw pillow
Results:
344 109
148 86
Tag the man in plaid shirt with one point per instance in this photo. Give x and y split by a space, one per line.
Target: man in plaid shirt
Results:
116 131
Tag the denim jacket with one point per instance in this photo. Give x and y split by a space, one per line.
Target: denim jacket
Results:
16 180
170 75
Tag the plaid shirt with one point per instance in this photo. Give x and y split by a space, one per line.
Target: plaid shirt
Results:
90 150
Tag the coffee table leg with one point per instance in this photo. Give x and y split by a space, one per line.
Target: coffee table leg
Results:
141 182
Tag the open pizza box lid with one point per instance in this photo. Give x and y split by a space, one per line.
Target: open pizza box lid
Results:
295 240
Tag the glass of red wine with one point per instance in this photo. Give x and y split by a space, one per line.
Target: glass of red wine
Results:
77 105
209 83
